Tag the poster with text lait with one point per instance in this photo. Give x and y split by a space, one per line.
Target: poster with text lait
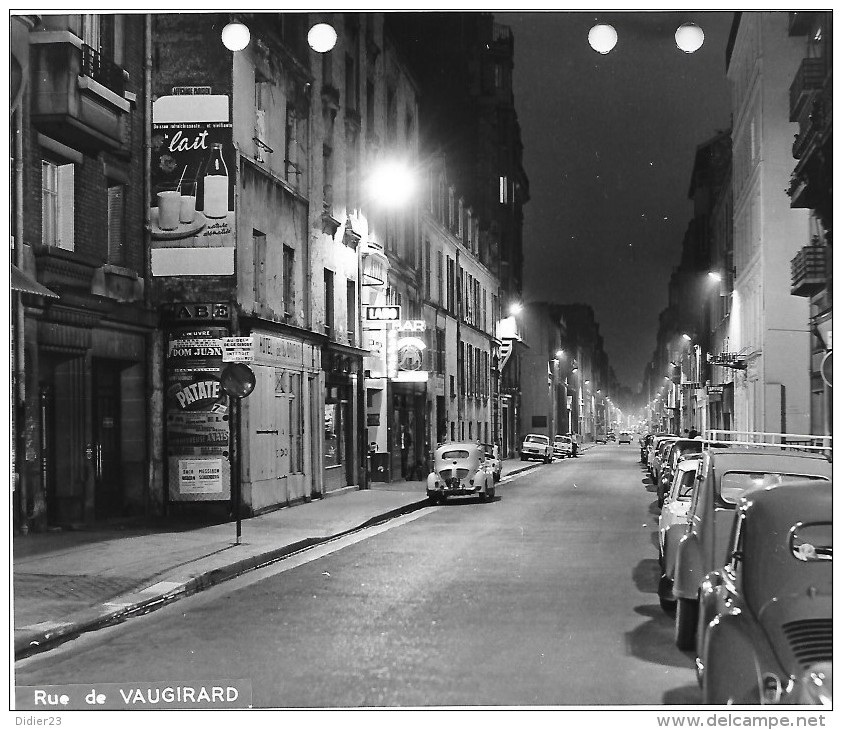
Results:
193 171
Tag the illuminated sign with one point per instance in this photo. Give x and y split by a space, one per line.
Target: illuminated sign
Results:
387 313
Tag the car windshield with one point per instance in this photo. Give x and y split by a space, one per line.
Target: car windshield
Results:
455 454
562 440
687 485
538 439
734 483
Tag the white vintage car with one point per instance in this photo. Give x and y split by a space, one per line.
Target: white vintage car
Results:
536 446
672 523
562 447
460 469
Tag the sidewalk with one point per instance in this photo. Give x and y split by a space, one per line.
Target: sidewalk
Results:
70 582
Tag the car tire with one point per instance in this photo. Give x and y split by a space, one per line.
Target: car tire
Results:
497 478
491 494
686 620
665 589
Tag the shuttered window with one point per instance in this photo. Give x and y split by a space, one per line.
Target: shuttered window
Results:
57 205
117 224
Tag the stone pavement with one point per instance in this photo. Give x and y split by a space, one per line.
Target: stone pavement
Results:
69 582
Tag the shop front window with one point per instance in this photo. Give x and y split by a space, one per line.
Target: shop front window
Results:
335 438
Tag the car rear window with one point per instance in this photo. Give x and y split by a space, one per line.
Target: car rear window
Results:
813 541
538 439
734 483
454 454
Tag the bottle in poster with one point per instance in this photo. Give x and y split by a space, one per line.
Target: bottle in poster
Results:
216 184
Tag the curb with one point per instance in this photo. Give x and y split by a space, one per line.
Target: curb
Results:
50 634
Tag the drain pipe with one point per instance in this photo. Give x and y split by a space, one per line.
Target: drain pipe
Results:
19 397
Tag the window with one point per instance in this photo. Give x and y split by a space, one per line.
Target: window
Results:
351 309
261 96
351 155
504 189
288 283
440 277
259 258
439 354
57 205
328 302
117 225
327 175
451 285
460 221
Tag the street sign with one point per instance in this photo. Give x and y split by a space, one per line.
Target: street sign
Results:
386 313
237 349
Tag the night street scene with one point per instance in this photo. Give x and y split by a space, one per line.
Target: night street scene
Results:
435 362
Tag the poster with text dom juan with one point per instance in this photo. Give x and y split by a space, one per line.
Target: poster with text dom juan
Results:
193 166
197 425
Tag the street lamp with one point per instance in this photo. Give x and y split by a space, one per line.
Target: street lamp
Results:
602 38
391 183
322 37
689 37
235 36
515 308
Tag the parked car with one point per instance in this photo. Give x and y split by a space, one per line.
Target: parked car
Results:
536 446
723 476
562 447
611 436
672 523
768 612
459 469
625 438
644 447
653 448
492 455
660 453
677 450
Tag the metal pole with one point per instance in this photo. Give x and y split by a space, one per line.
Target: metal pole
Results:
236 484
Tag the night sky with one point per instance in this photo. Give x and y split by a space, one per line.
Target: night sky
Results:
609 143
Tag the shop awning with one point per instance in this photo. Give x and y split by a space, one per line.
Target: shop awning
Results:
23 282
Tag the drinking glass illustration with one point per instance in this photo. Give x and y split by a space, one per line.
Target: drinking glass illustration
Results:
169 207
216 184
187 210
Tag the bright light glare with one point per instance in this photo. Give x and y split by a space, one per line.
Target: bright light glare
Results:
515 308
559 353
235 36
602 38
715 275
689 37
686 337
392 184
322 37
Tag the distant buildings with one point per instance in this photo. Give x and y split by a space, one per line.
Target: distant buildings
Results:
755 355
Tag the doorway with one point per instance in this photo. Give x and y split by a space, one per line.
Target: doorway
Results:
107 439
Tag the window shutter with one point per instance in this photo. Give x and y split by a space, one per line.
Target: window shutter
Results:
116 215
64 227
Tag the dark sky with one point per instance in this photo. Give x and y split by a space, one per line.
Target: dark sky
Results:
609 143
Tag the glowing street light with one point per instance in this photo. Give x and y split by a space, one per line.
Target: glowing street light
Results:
322 37
235 36
689 37
559 354
602 38
715 275
392 184
515 308
686 337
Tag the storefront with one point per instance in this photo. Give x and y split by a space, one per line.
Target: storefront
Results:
343 444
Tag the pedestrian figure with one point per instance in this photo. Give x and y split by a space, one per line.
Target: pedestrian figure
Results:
693 434
406 449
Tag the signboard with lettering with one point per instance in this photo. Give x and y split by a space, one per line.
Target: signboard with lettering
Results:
193 171
196 407
381 313
237 349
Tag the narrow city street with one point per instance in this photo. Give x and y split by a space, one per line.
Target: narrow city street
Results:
546 596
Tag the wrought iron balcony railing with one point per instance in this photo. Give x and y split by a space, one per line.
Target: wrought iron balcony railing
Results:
103 70
810 77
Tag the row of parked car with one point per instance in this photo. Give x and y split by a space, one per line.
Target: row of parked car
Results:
745 544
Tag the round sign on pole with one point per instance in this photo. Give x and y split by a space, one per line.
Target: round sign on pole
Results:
237 380
827 369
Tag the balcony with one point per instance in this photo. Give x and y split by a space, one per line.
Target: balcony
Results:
809 79
809 271
77 94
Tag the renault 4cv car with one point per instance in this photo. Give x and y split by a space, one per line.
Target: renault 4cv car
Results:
536 446
723 476
766 616
460 469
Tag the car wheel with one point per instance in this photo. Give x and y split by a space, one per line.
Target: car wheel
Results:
686 618
491 494
664 591
497 477
482 496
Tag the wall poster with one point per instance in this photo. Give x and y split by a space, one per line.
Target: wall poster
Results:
196 415
193 171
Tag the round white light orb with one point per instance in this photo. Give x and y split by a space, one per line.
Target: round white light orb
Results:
689 37
235 36
392 184
602 38
322 37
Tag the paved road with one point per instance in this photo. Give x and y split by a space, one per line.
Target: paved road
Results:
544 597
